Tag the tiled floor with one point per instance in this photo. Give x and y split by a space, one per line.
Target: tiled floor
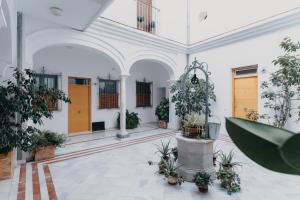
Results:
106 168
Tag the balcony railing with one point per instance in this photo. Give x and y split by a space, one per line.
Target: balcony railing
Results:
147 16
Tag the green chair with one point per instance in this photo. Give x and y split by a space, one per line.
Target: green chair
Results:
273 148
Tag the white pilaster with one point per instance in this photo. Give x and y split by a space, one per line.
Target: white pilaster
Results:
123 133
174 121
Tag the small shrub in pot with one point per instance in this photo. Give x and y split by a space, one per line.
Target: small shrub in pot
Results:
203 180
162 112
45 143
230 180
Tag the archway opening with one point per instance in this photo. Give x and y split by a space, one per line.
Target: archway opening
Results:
148 84
76 65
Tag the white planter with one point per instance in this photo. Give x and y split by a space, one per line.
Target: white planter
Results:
194 155
214 130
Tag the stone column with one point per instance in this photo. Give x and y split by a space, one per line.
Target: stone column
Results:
174 121
123 133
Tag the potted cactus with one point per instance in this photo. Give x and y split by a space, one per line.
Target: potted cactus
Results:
164 150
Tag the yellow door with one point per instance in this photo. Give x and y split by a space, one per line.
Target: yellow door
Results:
245 95
79 109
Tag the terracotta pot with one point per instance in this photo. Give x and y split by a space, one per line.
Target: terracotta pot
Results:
6 165
44 153
162 124
203 188
193 132
172 180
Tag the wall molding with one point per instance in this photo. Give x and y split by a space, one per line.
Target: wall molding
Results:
251 31
131 35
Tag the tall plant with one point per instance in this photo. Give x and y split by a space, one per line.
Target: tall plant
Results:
22 95
283 87
192 97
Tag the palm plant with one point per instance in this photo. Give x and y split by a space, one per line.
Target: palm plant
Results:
164 150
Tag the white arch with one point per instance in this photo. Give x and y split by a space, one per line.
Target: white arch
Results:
51 37
168 63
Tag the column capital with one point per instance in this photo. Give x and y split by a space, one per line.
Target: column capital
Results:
124 76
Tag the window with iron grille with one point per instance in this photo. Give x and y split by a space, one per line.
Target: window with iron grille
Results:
108 94
49 81
143 94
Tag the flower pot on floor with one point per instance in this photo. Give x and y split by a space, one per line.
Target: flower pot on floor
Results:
44 153
162 124
172 180
203 188
6 165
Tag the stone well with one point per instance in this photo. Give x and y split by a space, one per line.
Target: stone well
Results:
194 155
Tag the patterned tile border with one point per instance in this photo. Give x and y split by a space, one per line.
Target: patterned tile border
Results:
76 154
22 182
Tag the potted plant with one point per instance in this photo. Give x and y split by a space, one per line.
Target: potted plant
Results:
215 156
193 124
203 180
140 19
132 120
162 112
229 180
45 144
170 173
164 150
226 161
21 97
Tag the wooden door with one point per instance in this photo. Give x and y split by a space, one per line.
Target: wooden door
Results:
144 10
79 109
245 95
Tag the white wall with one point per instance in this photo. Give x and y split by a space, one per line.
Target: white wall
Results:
227 15
152 72
261 50
171 22
81 62
8 40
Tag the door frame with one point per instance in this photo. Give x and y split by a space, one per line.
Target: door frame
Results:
234 77
89 106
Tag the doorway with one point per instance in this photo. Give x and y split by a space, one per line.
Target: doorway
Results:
79 113
245 90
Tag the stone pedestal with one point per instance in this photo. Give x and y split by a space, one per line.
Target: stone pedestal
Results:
194 155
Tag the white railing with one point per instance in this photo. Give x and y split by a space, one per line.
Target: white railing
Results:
147 17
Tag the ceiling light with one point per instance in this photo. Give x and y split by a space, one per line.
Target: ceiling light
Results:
56 11
202 16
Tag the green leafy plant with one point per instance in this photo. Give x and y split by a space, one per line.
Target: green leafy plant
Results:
170 172
132 120
203 180
47 137
283 86
164 150
192 97
22 95
226 160
140 19
162 110
152 24
194 120
229 180
252 115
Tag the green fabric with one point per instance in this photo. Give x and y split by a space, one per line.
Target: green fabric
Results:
273 148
